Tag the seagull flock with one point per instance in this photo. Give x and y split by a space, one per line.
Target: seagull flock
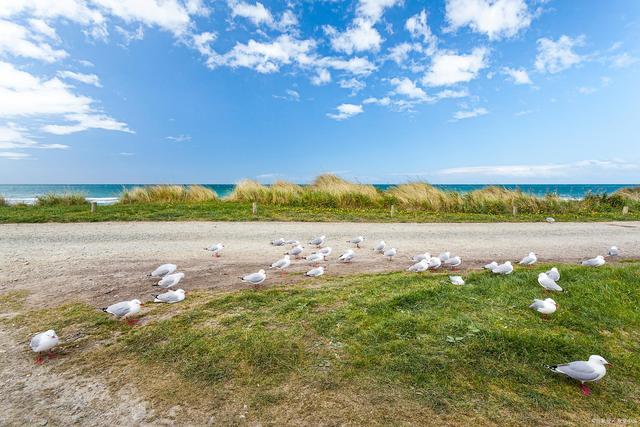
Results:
167 275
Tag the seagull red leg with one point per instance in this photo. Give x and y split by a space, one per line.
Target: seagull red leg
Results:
585 390
39 360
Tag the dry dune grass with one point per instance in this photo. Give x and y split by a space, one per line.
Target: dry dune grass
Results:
67 199
168 194
630 193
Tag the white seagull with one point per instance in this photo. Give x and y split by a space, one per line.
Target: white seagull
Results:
325 252
550 220
554 274
295 251
594 262
170 297
505 268
292 242
316 272
254 278
315 257
163 270
170 280
434 262
125 310
380 246
419 266
420 257
614 251
390 253
356 241
544 306
548 283
456 280
453 262
347 256
529 259
318 241
278 242
592 370
491 265
216 249
282 263
444 256
44 341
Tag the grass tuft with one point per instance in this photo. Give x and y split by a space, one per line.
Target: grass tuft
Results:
167 194
629 193
67 199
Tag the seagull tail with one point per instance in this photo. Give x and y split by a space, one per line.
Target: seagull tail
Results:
104 309
552 368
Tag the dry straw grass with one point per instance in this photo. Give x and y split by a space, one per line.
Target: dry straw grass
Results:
629 193
168 194
3 202
67 199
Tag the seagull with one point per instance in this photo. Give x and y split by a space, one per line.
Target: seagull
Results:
420 257
491 265
390 253
325 252
162 271
435 262
318 241
550 220
380 246
347 256
278 242
254 278
170 297
316 272
529 259
592 370
282 263
356 241
453 262
594 262
124 310
548 283
444 256
554 274
292 242
545 306
456 280
419 266
505 268
44 341
216 249
295 251
170 280
614 251
314 257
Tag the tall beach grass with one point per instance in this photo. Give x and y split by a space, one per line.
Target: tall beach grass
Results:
65 199
629 193
167 194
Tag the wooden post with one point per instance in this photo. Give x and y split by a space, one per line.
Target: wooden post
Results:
514 210
94 206
254 208
393 210
625 210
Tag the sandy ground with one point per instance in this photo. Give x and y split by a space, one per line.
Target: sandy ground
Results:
102 263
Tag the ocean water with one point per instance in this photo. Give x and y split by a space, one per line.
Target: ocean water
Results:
109 193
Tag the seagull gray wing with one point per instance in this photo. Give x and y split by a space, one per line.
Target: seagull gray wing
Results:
119 309
35 341
581 371
168 297
537 304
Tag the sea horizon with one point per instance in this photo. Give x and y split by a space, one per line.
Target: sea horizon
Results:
109 193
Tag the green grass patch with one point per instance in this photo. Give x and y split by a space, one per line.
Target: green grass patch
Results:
12 301
68 199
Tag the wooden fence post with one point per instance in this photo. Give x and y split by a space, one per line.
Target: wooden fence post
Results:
254 208
625 210
393 210
94 206
514 210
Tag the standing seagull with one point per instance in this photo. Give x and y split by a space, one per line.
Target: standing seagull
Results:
594 262
163 270
545 306
390 253
325 252
548 283
316 272
380 246
529 259
170 280
592 370
254 278
216 249
554 274
125 310
170 297
614 251
315 257
420 257
505 268
282 263
491 265
295 251
347 256
356 241
318 241
453 262
278 242
44 341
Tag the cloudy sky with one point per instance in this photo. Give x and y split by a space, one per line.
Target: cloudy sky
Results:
450 91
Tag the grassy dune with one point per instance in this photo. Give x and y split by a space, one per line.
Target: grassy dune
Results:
168 194
67 199
376 349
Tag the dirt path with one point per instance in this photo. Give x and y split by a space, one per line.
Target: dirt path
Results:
105 262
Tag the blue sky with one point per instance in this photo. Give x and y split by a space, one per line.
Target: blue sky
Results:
452 91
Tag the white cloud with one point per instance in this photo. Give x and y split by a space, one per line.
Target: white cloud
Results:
127 154
129 36
467 114
556 56
355 65
290 95
322 77
448 93
378 101
623 60
179 138
448 68
359 37
90 79
518 76
18 41
373 9
346 111
418 28
541 170
82 122
354 84
10 155
495 18
256 13
41 27
400 52
405 86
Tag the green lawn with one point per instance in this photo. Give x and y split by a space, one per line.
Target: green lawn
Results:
394 348
240 211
